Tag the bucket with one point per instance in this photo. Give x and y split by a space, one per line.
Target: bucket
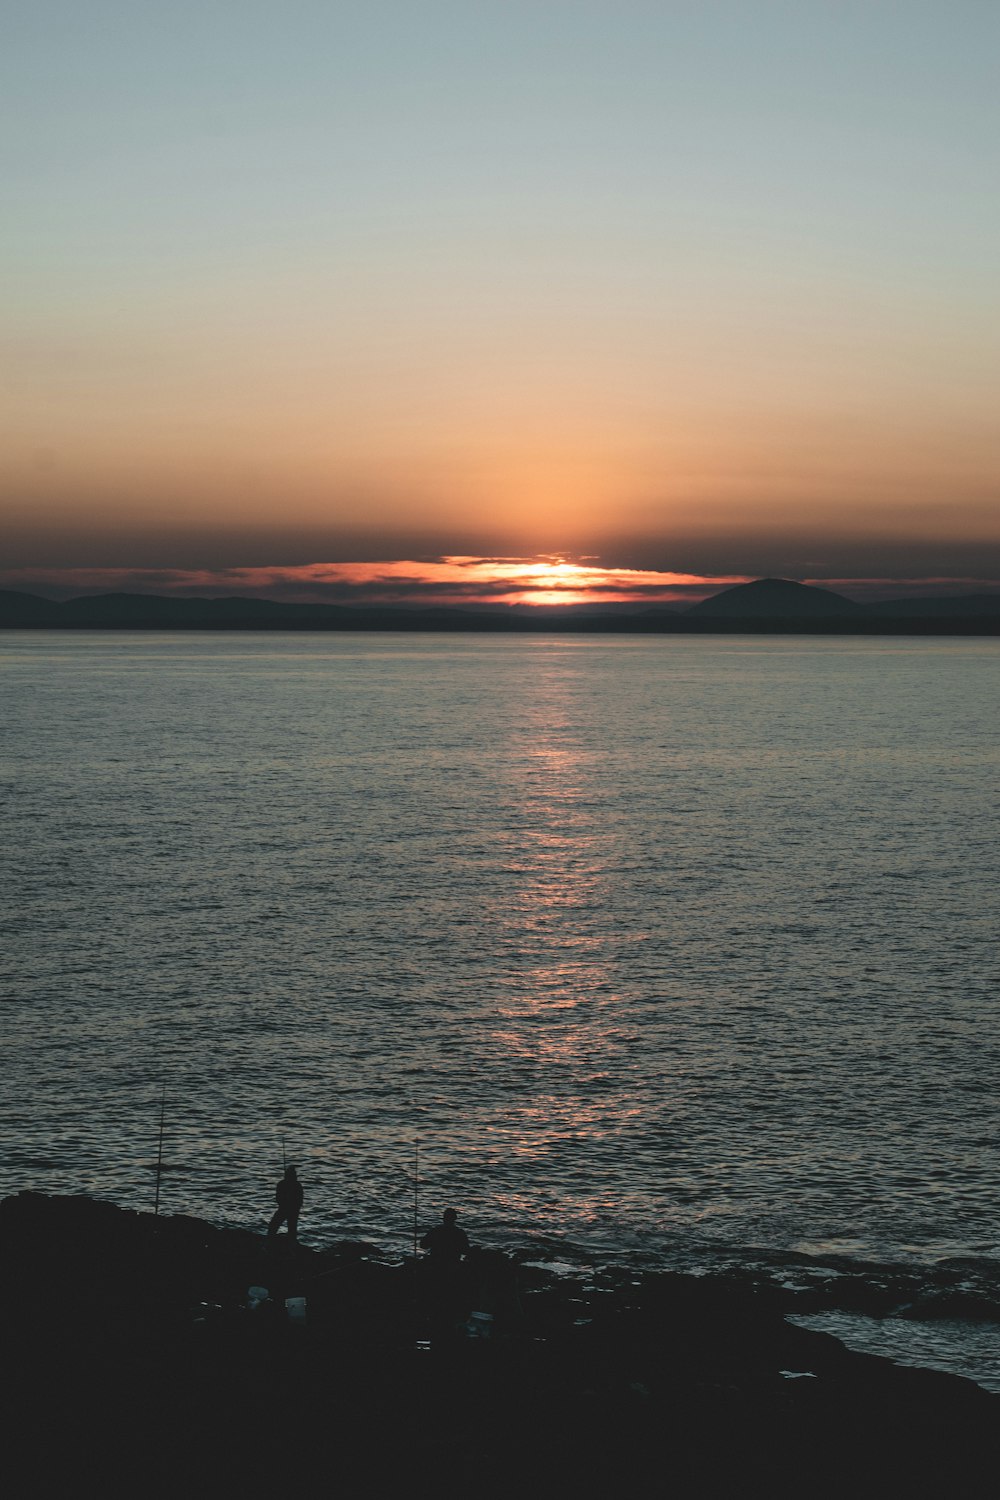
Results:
256 1295
296 1309
480 1325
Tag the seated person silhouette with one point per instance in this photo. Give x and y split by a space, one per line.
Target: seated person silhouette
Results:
447 1243
288 1195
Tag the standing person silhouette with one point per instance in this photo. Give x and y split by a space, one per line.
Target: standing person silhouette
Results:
288 1196
447 1245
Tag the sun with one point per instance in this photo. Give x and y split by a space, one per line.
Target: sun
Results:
565 581
554 581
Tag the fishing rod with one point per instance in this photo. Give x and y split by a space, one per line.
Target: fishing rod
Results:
416 1194
159 1151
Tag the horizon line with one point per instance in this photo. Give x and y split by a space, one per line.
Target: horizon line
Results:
552 581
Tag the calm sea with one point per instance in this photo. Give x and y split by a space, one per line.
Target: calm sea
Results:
667 951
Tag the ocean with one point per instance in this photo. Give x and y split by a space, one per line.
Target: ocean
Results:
672 951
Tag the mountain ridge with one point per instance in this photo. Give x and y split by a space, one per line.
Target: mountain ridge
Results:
764 605
773 598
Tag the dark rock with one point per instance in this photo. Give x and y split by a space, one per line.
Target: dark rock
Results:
142 1368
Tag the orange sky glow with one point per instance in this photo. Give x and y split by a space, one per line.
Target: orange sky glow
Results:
523 302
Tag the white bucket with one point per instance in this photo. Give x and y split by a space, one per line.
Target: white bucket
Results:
296 1309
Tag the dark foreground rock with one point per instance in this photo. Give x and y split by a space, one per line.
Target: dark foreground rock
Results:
137 1367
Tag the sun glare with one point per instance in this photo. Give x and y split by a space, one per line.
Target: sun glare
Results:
554 583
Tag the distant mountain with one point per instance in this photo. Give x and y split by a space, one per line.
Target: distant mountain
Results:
766 605
774 599
950 607
164 612
19 609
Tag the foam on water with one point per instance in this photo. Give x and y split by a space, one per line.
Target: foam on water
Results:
956 1346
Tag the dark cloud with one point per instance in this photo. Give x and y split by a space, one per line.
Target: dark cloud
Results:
806 557
881 565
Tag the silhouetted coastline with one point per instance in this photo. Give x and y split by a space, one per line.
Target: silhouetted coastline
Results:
142 1361
766 606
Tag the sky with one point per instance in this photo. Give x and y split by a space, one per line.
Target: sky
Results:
664 293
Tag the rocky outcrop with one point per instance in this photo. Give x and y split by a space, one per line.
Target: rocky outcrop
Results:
144 1365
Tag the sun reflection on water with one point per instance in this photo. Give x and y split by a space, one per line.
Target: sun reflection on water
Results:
558 1032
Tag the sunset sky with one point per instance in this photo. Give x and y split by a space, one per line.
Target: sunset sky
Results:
679 291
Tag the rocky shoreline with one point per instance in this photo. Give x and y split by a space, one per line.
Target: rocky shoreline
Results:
141 1364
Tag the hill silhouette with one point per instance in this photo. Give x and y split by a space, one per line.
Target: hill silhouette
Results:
24 610
774 599
767 605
